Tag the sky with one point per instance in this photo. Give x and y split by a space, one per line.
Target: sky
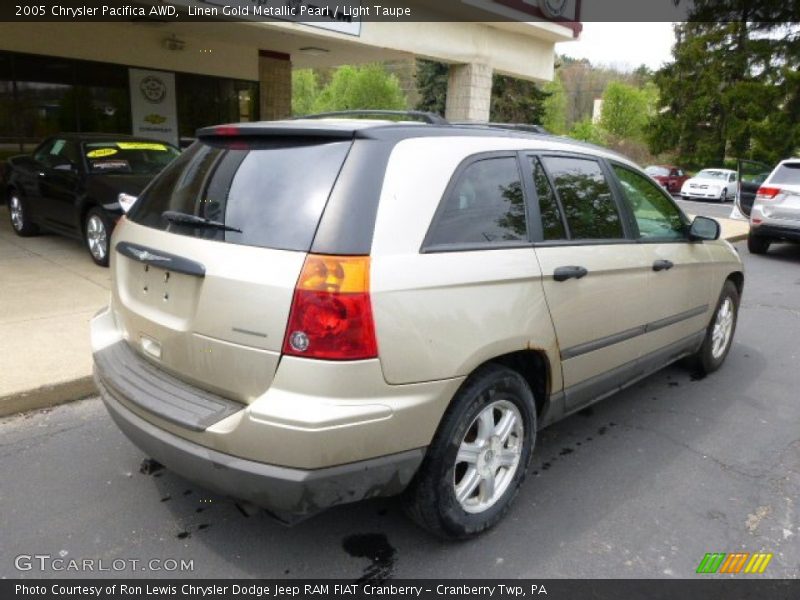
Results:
622 45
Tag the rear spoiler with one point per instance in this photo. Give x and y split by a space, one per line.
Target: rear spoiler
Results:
285 129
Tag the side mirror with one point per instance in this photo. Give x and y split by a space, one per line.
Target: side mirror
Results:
704 228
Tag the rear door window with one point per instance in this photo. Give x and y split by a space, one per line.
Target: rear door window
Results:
787 174
552 224
273 192
586 198
484 207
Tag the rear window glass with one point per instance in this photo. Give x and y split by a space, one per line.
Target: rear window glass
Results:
485 207
552 226
788 174
586 197
128 157
272 192
654 171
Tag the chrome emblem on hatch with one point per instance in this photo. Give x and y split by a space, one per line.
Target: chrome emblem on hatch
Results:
144 255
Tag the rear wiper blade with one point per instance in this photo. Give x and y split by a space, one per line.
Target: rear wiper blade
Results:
174 216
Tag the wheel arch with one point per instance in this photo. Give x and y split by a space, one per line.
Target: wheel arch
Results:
737 277
532 364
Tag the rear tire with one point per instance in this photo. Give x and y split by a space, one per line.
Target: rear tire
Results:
478 457
18 214
97 235
719 335
757 244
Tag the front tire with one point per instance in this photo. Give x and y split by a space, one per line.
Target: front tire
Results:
723 196
478 457
18 214
757 244
719 335
97 235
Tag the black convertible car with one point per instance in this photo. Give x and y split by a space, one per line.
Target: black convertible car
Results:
79 184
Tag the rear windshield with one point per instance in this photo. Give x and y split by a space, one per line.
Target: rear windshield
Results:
128 157
787 174
273 192
712 174
657 171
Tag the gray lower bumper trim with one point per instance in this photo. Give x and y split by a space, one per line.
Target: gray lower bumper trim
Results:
285 491
158 392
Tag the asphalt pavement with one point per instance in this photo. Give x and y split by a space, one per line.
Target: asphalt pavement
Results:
706 208
642 484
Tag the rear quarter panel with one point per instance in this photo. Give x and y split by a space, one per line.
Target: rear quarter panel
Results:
440 315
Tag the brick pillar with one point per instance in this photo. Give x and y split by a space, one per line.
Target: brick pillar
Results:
469 92
275 78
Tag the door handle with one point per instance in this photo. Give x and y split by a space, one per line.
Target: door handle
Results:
662 265
569 272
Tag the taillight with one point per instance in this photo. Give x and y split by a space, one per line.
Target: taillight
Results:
767 193
331 315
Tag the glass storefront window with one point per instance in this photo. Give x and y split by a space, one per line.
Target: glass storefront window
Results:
44 95
204 101
106 105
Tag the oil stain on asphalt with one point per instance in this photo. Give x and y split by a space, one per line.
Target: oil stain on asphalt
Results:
376 548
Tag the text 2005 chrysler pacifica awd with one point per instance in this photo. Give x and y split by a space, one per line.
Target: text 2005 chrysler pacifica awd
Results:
311 312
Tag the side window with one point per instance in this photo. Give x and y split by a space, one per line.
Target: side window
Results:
586 198
485 206
732 177
55 153
656 216
552 225
43 152
72 153
673 173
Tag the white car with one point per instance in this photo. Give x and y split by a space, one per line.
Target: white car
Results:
711 184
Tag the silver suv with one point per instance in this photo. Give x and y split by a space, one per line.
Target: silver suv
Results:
775 216
310 312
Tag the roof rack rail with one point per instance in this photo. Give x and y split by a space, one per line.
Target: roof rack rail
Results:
512 126
417 115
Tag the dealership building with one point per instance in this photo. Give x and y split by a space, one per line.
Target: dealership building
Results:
165 77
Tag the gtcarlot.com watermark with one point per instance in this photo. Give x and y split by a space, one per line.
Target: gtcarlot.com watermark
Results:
59 563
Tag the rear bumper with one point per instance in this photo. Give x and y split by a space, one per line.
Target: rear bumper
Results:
776 232
289 493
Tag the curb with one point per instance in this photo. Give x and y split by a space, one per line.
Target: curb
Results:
736 238
47 396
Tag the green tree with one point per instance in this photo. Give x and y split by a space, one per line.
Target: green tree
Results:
625 110
305 90
555 107
361 87
516 101
586 131
432 86
732 87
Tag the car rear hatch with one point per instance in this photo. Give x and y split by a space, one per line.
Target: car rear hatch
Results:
750 175
784 187
206 263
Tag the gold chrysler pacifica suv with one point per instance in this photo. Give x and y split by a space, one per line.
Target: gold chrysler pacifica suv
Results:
311 312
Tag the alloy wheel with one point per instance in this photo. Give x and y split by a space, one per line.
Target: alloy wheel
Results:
96 237
17 216
488 457
723 328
